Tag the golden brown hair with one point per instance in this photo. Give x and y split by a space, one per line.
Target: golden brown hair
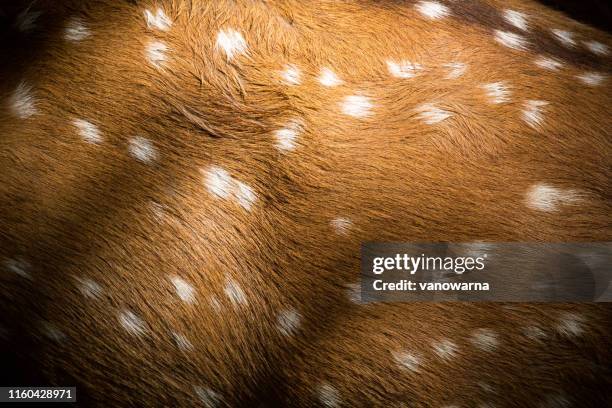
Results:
185 186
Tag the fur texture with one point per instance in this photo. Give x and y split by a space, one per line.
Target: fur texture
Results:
171 249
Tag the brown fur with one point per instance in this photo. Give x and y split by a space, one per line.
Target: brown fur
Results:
74 209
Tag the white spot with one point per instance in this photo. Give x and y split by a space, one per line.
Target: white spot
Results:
516 18
21 102
456 69
407 360
556 401
431 114
548 63
592 78
570 324
184 290
543 197
445 349
353 291
286 137
534 333
485 387
474 250
132 323
234 292
214 303
182 342
159 20
596 47
222 185
498 92
403 69
288 321
52 332
158 210
19 266
432 9
532 113
26 20
291 75
219 182
156 53
76 30
244 195
88 287
565 37
511 40
328 78
341 225
484 339
357 106
88 131
329 396
231 42
142 149
209 398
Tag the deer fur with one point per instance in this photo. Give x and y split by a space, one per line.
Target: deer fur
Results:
185 186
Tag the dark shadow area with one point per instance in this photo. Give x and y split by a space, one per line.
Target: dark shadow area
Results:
597 13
